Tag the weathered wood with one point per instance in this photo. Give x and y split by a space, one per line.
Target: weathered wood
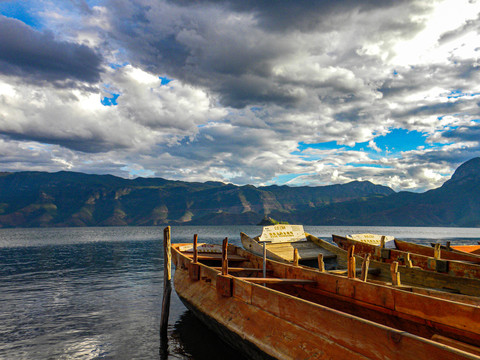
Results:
420 315
195 250
365 265
167 287
209 256
284 251
351 262
295 257
267 280
436 252
446 253
225 257
223 284
395 274
451 267
408 261
456 344
167 254
321 264
238 269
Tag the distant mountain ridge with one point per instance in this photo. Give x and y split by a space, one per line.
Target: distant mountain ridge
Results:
40 199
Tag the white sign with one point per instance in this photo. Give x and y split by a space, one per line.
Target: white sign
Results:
283 233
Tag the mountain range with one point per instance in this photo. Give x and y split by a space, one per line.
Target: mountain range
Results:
41 199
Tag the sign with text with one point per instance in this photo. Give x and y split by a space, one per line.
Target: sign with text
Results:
283 233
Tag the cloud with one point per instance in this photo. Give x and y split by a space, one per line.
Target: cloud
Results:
37 56
250 82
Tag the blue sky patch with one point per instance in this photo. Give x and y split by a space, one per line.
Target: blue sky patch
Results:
395 141
455 94
401 140
284 179
379 166
164 80
20 10
118 66
110 101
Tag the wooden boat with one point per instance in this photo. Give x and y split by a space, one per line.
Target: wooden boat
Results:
374 239
445 253
450 267
472 249
300 313
414 279
284 250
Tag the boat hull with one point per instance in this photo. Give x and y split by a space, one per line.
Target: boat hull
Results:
283 326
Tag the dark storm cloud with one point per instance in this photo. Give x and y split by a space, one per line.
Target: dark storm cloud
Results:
303 15
463 133
232 48
38 56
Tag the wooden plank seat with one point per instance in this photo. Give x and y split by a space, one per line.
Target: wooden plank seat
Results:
213 256
262 280
371 271
238 269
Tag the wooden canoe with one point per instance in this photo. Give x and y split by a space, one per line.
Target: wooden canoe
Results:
471 249
284 252
300 313
413 278
442 253
450 267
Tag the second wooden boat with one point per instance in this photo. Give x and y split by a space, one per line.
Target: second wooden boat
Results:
445 253
451 267
414 279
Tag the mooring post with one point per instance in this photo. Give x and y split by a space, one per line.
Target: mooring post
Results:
225 257
295 257
167 286
351 268
365 265
195 250
321 264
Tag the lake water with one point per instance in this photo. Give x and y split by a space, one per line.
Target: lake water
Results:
96 293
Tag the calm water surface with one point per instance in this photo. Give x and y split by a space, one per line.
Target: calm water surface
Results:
96 293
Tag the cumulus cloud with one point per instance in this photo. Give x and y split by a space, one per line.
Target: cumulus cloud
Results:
36 56
243 91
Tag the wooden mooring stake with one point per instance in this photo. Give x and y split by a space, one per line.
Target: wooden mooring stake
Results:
167 277
365 265
351 262
395 274
225 257
295 257
321 264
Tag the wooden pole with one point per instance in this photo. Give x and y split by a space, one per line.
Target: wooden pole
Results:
408 261
264 259
224 257
395 274
321 264
436 253
195 250
295 257
351 267
382 242
365 265
167 286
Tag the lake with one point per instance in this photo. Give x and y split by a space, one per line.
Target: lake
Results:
96 293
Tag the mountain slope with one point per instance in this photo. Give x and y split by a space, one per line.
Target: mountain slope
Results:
29 199
456 203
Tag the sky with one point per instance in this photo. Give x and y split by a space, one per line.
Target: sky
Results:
290 92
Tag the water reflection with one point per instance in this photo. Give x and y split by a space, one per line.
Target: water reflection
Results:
191 339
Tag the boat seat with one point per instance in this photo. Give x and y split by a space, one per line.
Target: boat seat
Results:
262 280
